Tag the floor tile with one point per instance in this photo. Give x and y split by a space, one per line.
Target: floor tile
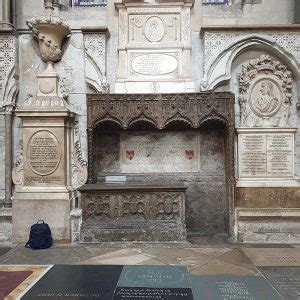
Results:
119 257
274 256
218 267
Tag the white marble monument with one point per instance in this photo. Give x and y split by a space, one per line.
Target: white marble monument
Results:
266 140
154 47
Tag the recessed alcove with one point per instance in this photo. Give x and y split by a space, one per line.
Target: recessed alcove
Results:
178 153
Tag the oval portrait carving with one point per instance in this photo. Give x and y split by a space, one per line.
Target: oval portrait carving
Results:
154 29
43 153
265 98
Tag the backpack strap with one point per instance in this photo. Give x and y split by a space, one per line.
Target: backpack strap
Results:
40 221
27 245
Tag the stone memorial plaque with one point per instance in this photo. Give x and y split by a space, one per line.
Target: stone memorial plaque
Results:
153 293
153 64
285 279
76 282
43 157
154 277
266 155
143 153
280 151
253 156
223 287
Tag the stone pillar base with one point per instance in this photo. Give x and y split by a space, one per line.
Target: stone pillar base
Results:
51 206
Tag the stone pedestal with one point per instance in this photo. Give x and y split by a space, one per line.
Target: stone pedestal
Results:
44 193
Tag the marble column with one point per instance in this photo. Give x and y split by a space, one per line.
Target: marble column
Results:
6 11
8 157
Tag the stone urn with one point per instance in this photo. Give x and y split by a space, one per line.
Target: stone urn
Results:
51 32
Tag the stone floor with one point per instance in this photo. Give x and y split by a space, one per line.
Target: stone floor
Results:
279 264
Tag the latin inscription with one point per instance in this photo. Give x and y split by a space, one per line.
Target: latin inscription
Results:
43 157
154 64
266 155
43 153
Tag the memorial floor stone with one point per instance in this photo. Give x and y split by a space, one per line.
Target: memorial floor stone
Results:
223 287
76 282
285 279
153 293
273 257
154 277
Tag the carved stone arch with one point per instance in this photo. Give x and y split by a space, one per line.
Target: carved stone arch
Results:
220 70
105 119
214 116
176 118
141 119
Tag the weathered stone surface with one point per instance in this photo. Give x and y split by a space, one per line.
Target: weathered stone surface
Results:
268 197
133 212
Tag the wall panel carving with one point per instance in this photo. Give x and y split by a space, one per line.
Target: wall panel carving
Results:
266 93
95 45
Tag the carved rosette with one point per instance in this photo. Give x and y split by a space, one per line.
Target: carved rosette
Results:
80 173
265 94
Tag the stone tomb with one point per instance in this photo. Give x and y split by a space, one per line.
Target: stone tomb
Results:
157 143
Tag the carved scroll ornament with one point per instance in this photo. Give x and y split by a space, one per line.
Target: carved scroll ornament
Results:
265 93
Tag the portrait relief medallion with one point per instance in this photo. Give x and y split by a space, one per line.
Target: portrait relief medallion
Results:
265 98
154 29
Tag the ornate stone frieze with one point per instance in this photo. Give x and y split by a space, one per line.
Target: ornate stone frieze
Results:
265 93
95 45
8 83
160 109
216 42
79 164
18 171
139 205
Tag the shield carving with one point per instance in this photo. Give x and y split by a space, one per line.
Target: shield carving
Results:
189 154
130 154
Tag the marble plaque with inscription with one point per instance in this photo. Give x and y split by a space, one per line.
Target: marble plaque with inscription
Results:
266 155
143 152
220 287
43 159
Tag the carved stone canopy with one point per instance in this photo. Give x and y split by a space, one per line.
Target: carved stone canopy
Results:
265 93
160 109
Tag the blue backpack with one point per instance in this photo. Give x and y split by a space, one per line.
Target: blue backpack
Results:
40 236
